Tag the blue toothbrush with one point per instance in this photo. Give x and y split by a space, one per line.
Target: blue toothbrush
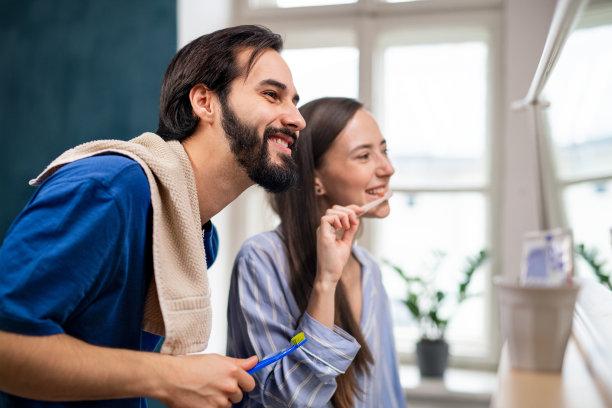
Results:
297 341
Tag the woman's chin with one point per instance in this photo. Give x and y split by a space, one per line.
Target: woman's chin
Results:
381 211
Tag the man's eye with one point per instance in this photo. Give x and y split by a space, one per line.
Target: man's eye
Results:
271 94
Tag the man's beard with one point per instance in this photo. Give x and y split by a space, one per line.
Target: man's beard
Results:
254 156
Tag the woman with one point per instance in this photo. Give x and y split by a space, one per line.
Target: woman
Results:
302 278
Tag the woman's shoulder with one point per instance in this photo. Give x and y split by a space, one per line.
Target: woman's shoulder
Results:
268 241
265 247
263 255
365 257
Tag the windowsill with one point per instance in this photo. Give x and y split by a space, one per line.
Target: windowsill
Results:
457 385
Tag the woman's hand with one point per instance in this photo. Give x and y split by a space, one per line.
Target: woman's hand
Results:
333 252
333 245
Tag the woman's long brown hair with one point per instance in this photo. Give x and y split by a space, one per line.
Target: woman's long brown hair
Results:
297 208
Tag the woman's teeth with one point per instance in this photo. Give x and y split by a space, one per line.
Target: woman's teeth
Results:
377 191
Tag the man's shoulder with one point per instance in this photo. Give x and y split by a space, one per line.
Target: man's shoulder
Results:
111 170
114 177
102 166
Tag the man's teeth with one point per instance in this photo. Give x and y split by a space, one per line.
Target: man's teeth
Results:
280 142
376 191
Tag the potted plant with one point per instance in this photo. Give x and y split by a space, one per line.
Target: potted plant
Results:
425 301
590 256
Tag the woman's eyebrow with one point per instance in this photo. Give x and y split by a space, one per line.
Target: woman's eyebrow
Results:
361 146
366 146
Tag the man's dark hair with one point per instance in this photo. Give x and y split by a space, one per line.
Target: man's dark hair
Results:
209 60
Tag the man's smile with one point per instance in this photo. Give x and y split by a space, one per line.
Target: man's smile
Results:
283 140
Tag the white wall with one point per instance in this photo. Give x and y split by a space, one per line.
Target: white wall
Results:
195 18
526 26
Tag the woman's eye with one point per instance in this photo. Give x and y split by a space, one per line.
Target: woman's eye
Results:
364 156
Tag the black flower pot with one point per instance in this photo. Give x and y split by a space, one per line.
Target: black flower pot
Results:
432 356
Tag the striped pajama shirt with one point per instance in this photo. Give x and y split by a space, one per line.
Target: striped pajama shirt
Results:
263 316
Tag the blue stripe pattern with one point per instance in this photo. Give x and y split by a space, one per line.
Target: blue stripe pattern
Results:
265 317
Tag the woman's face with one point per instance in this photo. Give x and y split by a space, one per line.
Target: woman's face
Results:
355 169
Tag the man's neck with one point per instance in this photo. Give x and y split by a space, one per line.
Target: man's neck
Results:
218 176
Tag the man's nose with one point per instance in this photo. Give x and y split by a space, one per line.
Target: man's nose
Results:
293 119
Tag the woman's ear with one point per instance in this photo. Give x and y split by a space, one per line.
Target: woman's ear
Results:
318 185
202 102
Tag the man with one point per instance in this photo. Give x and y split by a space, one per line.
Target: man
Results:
112 239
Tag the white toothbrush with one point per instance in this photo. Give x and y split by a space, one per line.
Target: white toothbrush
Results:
376 202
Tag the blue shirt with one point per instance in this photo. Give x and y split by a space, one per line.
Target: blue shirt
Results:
78 260
264 317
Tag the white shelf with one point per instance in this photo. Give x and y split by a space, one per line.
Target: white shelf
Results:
457 385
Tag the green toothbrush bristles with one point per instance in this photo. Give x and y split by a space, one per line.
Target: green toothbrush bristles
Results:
298 338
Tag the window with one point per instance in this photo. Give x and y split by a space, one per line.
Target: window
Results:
295 3
429 81
435 120
336 71
580 125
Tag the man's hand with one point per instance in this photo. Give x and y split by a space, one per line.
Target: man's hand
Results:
62 368
208 380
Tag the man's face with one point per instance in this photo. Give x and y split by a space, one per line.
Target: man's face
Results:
252 152
261 122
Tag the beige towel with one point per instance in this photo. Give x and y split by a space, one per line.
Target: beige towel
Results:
178 302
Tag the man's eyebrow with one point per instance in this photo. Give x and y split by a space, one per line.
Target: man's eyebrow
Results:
281 86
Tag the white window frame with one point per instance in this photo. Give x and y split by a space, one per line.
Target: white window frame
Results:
368 18
489 21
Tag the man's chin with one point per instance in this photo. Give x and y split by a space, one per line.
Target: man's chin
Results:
276 187
276 179
280 157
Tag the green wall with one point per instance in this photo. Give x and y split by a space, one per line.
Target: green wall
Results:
73 71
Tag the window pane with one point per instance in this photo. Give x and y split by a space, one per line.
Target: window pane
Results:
295 3
335 72
580 93
590 217
430 236
435 117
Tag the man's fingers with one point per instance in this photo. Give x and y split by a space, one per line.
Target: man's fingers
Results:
246 363
236 397
246 382
244 379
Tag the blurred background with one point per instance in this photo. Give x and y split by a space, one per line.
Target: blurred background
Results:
479 161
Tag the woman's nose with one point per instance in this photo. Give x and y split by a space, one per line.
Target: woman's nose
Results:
385 168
